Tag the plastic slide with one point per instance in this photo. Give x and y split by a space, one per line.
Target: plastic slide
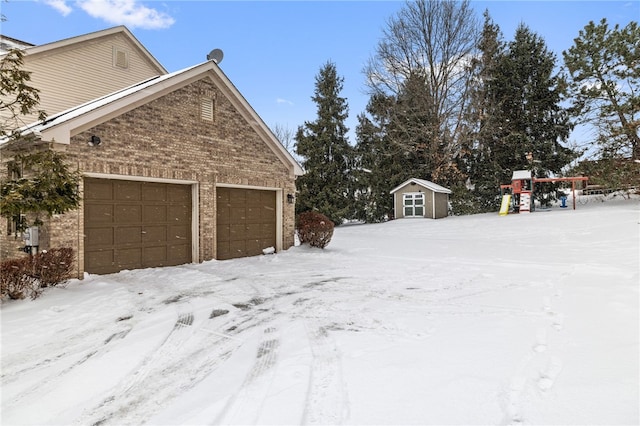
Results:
506 202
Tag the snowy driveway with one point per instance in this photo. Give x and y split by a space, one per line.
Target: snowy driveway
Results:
529 319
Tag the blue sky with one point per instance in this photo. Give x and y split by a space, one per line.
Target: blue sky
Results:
274 49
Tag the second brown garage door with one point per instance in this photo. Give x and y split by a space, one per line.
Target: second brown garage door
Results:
246 222
131 225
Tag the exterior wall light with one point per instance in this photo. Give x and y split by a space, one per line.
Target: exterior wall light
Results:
290 198
95 140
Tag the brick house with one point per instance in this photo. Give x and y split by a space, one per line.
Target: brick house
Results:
176 169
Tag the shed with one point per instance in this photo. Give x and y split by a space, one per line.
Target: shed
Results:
420 198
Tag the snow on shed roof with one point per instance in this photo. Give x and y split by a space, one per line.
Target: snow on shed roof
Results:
425 183
521 174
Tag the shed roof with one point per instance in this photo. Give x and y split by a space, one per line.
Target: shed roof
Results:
424 183
521 174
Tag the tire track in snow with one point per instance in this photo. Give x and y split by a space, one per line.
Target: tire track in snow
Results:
47 384
245 406
326 396
170 344
189 353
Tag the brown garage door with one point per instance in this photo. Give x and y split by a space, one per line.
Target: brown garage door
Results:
246 222
131 225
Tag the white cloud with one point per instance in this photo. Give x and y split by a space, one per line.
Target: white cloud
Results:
60 5
131 13
283 101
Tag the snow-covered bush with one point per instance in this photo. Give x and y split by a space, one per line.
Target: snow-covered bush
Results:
314 228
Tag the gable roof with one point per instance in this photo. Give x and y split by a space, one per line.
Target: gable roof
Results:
60 127
424 183
48 47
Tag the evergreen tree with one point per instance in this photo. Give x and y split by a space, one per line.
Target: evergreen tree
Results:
327 185
41 183
380 164
514 120
530 94
483 126
604 75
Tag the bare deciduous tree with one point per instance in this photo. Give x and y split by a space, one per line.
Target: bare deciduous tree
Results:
434 38
432 41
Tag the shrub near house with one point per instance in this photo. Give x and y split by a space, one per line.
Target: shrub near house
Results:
314 228
27 276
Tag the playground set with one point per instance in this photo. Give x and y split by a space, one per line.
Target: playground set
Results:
518 196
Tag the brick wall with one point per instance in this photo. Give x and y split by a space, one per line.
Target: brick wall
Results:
167 139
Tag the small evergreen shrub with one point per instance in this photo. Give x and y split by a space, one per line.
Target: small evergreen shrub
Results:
314 228
27 276
53 267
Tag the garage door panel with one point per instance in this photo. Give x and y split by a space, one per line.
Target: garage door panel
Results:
97 237
128 258
178 233
238 214
268 214
236 231
267 232
178 213
128 191
254 247
252 230
154 234
99 213
179 254
101 260
224 249
253 214
223 233
140 226
155 256
154 192
223 215
253 197
128 235
237 248
179 194
125 213
154 213
100 191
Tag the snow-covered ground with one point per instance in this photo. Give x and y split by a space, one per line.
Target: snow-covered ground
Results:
523 319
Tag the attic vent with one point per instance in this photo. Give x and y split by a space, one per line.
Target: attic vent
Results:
120 58
206 109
